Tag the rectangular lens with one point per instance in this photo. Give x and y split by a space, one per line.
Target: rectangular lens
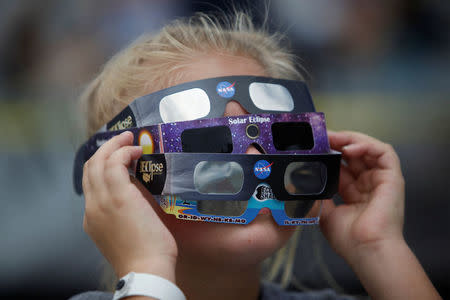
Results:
215 139
184 106
269 96
298 209
292 136
305 178
229 208
218 177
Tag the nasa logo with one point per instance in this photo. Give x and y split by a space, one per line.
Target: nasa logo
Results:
225 89
262 169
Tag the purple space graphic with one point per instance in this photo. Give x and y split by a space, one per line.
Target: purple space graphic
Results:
171 132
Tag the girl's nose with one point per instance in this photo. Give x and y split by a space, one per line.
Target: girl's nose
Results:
252 150
233 108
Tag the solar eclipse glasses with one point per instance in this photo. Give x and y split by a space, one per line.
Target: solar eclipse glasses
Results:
207 186
270 133
207 98
201 172
215 176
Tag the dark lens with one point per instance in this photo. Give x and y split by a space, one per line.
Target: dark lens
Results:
292 136
231 208
215 139
297 209
305 178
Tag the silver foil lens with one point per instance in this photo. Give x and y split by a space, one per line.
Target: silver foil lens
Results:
269 96
218 177
305 178
184 106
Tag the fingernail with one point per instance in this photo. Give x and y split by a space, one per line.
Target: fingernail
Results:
346 147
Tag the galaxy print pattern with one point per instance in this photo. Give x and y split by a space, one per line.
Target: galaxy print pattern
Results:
171 132
167 137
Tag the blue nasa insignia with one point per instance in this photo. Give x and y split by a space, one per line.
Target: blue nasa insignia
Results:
225 89
262 169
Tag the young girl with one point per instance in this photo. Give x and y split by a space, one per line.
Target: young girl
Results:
222 261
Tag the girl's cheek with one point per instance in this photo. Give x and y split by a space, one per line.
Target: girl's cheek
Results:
243 244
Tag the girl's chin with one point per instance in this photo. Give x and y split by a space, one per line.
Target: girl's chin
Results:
252 242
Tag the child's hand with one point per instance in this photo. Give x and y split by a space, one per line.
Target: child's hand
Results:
118 217
372 188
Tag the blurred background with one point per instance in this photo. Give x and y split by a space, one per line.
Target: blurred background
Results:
379 67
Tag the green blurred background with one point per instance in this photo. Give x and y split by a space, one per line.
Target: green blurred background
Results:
379 67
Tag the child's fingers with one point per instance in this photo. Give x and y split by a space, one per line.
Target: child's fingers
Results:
376 154
355 165
343 138
116 169
124 156
97 161
85 180
116 142
372 152
345 177
347 187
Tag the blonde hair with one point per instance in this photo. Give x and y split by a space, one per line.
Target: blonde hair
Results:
155 59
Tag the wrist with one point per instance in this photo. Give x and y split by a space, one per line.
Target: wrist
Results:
371 251
388 269
147 285
163 266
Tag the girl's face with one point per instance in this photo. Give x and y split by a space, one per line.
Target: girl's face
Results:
217 242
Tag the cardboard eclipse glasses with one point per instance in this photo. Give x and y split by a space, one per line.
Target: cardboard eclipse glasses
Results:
207 187
281 133
217 176
207 98
202 99
241 212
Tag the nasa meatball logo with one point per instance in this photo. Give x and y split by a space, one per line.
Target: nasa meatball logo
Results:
225 89
262 169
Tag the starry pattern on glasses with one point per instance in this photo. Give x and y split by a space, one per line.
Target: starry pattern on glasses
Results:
269 133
